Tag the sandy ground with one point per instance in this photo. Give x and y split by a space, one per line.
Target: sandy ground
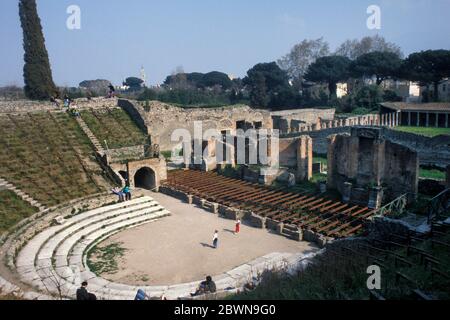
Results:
177 248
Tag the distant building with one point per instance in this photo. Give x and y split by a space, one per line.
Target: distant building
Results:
443 89
407 90
342 90
122 88
419 114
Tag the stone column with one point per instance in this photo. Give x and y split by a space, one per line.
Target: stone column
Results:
347 192
446 120
352 157
427 123
409 118
418 120
375 198
331 161
437 120
304 158
379 147
230 149
187 153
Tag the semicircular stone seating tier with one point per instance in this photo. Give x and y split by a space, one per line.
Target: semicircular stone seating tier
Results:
55 260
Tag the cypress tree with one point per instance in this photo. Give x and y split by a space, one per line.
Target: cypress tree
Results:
37 74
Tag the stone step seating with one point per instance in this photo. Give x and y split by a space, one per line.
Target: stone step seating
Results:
50 261
35 262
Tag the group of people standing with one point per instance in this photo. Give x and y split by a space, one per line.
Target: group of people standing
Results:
123 194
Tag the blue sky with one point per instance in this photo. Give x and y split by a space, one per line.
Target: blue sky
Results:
117 36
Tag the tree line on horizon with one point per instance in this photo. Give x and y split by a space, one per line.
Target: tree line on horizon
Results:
286 83
282 84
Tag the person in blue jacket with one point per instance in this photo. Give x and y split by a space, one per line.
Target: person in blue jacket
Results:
127 192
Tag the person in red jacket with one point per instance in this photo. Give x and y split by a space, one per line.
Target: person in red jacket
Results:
238 226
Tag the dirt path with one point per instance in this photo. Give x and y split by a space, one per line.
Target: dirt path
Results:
177 249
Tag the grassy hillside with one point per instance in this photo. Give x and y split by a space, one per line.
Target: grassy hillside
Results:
13 209
48 157
115 126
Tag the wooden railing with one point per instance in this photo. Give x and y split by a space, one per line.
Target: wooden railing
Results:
397 206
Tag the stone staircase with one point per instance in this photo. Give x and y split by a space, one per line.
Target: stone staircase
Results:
6 185
91 136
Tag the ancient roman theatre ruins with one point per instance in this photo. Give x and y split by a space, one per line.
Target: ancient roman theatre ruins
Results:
65 168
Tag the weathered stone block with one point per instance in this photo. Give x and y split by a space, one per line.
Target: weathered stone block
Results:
257 221
197 200
272 224
292 231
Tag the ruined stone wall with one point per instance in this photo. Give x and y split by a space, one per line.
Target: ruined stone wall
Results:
126 153
297 153
365 159
157 165
285 120
320 142
19 106
431 150
162 119
135 111
288 152
401 169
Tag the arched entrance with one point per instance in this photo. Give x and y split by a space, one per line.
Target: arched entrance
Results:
145 178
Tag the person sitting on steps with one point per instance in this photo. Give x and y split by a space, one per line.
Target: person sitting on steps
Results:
205 287
83 294
127 192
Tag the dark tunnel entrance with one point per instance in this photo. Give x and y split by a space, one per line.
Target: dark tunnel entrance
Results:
145 178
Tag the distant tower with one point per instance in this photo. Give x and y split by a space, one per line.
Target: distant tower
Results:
143 77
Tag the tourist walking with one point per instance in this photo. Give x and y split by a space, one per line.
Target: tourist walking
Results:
238 226
127 192
216 239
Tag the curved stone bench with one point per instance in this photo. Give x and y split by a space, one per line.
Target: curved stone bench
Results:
34 262
50 260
